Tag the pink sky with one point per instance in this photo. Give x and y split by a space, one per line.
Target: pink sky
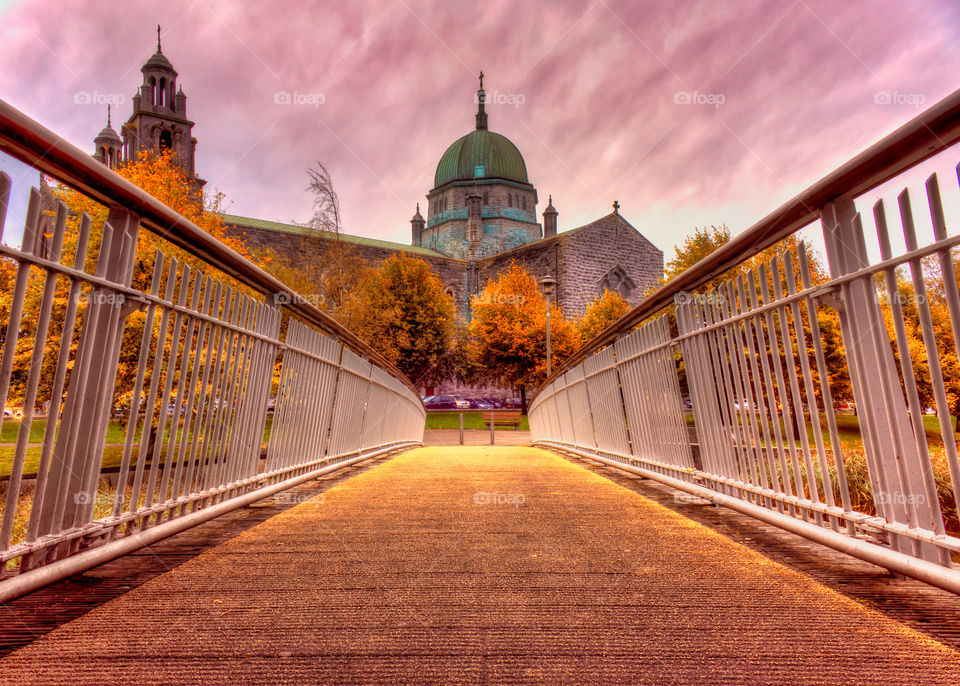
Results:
787 91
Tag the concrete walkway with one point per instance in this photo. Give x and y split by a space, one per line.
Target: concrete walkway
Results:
481 565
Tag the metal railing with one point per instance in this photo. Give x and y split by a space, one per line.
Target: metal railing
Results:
720 383
203 355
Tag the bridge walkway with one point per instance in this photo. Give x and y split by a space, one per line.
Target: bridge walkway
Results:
482 565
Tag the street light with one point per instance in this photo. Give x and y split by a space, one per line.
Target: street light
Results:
546 284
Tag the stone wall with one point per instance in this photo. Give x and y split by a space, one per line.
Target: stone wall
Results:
304 251
608 251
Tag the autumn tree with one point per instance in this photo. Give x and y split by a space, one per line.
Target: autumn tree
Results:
403 311
160 176
509 331
704 241
696 246
601 313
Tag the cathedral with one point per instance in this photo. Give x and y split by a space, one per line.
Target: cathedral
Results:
481 214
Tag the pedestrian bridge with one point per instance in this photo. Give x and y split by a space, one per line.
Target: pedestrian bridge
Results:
480 564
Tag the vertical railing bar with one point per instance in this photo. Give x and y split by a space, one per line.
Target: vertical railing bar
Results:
159 363
780 478
40 515
160 458
134 414
930 343
171 463
765 416
726 305
191 423
196 467
894 406
231 303
791 280
793 473
33 375
752 403
210 446
794 396
70 480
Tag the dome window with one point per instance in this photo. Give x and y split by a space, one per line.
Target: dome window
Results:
478 171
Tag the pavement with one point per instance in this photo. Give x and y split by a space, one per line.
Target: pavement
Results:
482 565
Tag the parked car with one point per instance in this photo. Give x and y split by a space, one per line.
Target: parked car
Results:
462 404
512 404
480 404
494 403
440 402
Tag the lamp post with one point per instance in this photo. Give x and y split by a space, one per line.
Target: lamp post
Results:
547 283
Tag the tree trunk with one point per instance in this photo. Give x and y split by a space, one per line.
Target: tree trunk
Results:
523 400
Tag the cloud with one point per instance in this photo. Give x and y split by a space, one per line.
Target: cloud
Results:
780 94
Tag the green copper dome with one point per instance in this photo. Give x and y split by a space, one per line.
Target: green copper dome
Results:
481 154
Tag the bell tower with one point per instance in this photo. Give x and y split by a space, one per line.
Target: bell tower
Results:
159 120
108 145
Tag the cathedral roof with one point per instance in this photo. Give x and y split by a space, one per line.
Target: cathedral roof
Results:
497 155
158 61
481 154
108 134
280 227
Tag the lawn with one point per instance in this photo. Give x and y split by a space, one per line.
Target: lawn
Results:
112 454
472 419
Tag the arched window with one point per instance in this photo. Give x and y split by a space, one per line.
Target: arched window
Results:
509 200
524 200
163 93
486 198
153 91
166 140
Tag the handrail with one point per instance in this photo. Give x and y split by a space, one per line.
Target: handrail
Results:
927 134
28 141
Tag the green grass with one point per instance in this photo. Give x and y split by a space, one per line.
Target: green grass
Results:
112 454
471 420
116 431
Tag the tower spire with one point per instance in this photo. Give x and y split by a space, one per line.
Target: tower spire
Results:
108 115
481 113
158 39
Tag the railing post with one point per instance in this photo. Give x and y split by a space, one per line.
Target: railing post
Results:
885 424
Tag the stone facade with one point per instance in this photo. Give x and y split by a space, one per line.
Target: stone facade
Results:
608 252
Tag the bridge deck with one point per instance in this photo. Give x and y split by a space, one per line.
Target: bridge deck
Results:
477 565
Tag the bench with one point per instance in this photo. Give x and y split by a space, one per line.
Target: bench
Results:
502 419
